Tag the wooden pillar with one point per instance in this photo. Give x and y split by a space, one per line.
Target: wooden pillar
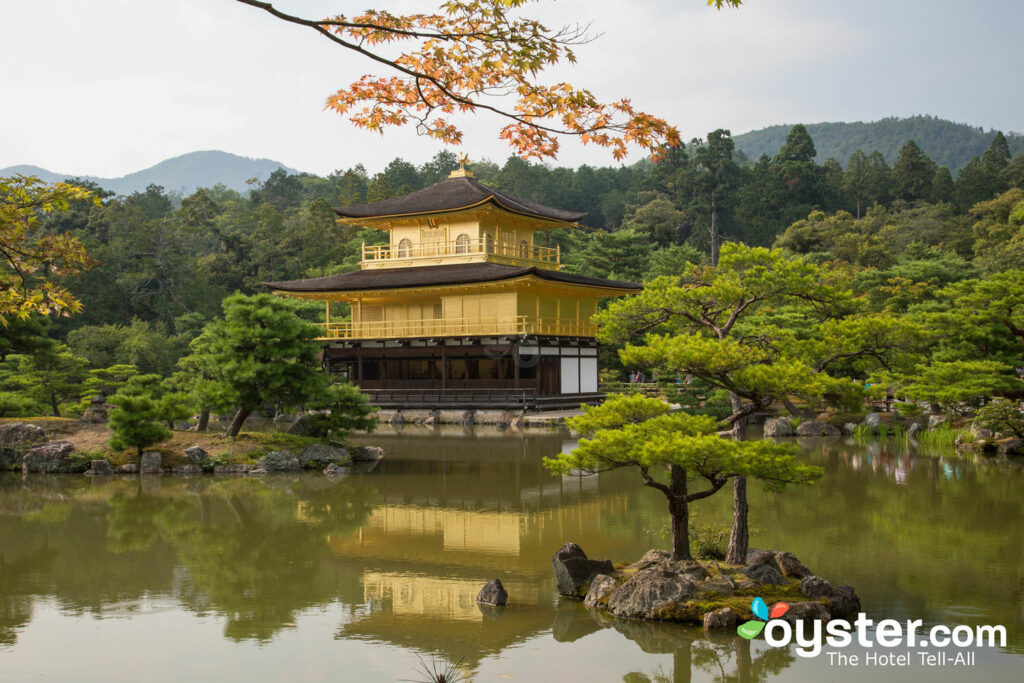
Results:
515 365
444 367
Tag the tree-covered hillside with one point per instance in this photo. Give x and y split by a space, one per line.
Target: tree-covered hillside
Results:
947 143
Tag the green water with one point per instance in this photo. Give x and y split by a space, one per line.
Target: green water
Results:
303 577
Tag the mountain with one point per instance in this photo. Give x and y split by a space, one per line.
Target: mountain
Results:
947 143
182 174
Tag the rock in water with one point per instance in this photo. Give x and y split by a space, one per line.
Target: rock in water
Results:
52 458
871 421
574 571
815 428
99 467
651 595
720 619
778 427
601 588
765 574
319 455
843 600
278 461
367 453
845 603
493 594
806 611
333 470
151 463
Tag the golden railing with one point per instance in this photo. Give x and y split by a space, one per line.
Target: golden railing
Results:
486 245
458 327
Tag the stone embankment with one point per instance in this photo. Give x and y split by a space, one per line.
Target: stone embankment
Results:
507 419
656 588
25 447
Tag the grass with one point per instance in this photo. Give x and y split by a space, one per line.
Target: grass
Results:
943 436
92 442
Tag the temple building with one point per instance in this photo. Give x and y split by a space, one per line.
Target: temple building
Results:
462 308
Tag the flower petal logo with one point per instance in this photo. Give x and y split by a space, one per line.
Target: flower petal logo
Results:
760 609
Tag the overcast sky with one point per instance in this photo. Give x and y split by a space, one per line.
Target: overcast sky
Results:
107 87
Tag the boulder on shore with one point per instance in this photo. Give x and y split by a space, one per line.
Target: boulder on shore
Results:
98 468
277 461
574 570
601 588
872 421
765 574
790 566
720 620
151 463
200 458
779 426
16 438
843 600
651 595
657 588
52 458
320 455
493 593
816 428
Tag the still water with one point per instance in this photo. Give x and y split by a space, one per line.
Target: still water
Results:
286 578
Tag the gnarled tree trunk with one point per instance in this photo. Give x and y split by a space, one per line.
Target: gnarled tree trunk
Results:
204 420
680 514
740 532
237 421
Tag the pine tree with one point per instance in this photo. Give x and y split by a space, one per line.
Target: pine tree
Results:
135 419
913 174
942 186
263 354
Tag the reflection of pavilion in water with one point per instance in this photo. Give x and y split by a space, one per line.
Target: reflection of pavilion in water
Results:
430 546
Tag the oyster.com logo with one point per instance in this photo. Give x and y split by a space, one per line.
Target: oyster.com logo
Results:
752 628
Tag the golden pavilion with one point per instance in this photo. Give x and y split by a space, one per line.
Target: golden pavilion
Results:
462 308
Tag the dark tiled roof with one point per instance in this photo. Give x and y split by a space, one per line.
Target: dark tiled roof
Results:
454 194
432 276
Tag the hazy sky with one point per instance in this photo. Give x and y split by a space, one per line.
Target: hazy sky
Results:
106 87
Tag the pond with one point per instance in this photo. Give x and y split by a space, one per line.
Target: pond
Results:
304 577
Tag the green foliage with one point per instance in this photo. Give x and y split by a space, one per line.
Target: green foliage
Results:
341 408
17 404
909 410
106 381
1001 417
135 420
950 384
634 431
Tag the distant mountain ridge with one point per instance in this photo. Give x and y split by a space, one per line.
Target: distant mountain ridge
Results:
182 174
947 143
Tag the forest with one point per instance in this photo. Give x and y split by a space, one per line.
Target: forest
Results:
910 239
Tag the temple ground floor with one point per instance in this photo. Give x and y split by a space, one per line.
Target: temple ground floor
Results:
528 373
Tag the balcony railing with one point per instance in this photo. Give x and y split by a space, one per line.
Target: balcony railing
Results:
459 327
467 246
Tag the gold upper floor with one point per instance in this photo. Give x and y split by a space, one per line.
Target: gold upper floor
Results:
480 234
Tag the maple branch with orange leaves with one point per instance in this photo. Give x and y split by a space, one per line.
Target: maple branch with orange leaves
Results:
475 49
